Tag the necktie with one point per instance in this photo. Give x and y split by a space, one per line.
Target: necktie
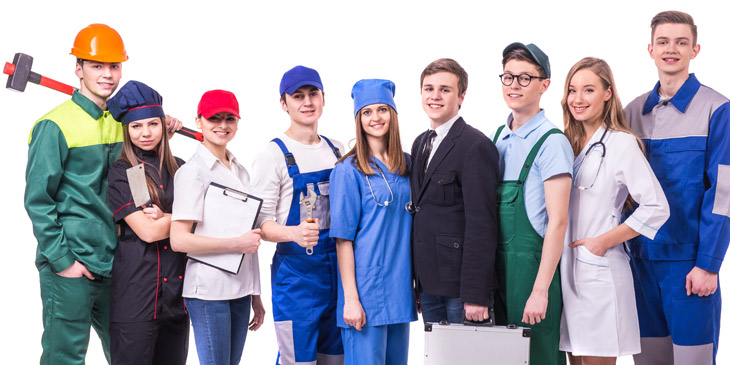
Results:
427 145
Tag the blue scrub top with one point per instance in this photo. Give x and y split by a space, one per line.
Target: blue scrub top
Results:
381 240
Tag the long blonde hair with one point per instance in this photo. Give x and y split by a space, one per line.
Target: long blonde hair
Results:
361 152
613 116
167 160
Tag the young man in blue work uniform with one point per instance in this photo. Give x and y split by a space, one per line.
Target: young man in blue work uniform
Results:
685 127
70 151
292 176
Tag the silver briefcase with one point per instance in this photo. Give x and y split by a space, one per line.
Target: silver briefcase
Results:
459 344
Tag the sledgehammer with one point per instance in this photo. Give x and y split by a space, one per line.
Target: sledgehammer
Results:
19 74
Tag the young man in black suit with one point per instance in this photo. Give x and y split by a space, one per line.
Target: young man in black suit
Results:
454 179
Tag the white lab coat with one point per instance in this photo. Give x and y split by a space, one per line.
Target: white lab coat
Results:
599 307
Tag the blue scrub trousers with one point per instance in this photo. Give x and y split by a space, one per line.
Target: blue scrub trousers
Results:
665 311
376 345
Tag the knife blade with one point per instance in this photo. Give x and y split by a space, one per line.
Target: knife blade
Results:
138 185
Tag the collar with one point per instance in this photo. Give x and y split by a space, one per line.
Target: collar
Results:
443 129
526 129
680 100
209 159
145 155
87 105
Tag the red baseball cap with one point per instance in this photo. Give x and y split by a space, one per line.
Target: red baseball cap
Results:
217 101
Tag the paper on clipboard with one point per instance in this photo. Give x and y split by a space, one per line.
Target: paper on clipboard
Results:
227 213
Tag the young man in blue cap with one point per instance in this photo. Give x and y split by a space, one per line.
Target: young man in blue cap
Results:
685 127
536 164
292 176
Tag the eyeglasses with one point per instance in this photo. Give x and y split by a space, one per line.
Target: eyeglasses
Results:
523 79
588 170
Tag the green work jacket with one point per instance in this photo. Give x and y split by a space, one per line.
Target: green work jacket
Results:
69 154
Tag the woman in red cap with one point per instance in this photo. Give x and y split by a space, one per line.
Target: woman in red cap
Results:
148 323
219 302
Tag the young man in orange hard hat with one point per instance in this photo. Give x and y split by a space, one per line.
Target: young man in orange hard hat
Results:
70 151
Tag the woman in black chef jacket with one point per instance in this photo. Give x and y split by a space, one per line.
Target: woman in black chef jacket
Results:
148 322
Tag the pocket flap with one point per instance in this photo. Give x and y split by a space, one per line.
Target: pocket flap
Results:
686 144
451 241
443 179
507 193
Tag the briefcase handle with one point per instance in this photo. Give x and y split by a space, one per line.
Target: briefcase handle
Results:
486 323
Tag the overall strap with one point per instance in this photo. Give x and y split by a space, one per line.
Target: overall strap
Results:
335 150
291 163
533 153
499 131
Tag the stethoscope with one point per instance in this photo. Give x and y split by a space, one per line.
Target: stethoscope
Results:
599 143
600 163
387 202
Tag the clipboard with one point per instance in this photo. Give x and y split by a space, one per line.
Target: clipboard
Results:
227 213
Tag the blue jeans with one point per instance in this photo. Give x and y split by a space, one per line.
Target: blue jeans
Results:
220 328
436 308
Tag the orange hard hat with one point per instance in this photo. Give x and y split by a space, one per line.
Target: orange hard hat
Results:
101 43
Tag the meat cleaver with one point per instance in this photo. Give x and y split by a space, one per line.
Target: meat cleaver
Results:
138 185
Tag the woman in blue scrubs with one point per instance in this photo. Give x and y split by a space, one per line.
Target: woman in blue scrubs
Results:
369 189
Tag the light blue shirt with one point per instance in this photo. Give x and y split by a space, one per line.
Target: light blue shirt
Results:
381 238
555 157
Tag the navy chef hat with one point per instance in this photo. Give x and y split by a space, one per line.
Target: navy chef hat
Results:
373 91
135 101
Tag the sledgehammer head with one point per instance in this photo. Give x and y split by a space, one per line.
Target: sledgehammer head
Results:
19 71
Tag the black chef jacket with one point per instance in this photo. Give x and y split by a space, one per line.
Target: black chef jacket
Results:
147 278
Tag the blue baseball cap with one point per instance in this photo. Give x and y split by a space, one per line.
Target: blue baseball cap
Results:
135 101
297 77
537 54
373 91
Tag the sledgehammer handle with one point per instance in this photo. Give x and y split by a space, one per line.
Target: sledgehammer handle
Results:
187 132
51 83
36 78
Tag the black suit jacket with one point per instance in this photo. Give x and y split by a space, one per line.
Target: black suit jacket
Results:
455 220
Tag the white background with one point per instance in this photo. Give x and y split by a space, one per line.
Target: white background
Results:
184 48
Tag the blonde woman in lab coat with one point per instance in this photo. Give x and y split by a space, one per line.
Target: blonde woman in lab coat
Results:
599 321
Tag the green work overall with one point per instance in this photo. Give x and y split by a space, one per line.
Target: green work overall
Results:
518 260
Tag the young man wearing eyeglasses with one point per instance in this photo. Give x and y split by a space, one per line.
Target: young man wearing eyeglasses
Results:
536 164
685 127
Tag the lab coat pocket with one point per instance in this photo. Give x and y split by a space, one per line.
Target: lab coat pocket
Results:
591 269
596 297
370 287
448 254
